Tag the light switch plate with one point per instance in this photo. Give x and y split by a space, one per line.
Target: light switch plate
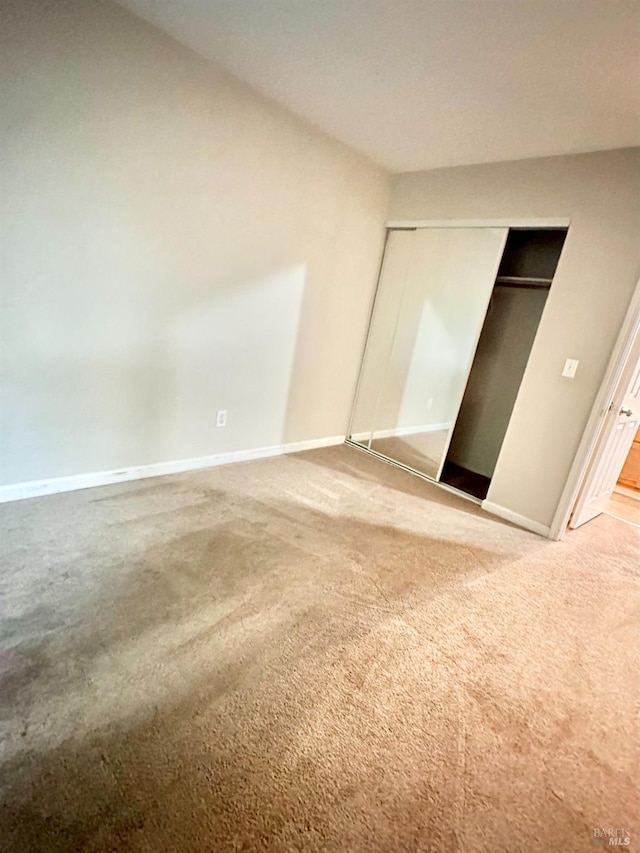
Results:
570 367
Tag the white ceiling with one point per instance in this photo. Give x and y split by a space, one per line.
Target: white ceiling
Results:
417 84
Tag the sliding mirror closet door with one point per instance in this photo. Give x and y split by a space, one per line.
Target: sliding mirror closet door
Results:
429 312
450 274
382 328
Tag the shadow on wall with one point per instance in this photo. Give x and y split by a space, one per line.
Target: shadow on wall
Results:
151 197
235 352
149 379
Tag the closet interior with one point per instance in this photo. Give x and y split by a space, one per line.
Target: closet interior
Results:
453 325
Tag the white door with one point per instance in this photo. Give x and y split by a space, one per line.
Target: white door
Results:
621 424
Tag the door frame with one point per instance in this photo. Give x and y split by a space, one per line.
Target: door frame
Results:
587 448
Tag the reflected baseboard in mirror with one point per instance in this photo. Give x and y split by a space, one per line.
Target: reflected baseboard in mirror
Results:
419 448
420 451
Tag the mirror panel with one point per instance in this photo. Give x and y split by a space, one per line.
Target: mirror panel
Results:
393 275
433 296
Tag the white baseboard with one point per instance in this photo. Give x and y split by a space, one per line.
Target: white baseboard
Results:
394 433
38 488
629 493
516 518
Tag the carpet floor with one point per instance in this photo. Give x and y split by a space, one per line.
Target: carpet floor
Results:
317 652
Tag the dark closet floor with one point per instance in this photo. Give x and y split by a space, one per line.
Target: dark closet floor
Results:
465 480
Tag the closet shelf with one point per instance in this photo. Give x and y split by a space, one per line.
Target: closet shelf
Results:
523 281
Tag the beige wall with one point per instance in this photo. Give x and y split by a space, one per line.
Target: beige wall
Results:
596 276
172 244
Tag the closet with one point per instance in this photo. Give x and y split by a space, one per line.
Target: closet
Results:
515 309
454 320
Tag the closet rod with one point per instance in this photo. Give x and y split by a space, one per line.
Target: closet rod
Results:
522 285
523 279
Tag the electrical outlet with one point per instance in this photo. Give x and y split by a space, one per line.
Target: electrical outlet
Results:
429 402
221 418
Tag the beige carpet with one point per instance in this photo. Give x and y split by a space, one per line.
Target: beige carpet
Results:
311 653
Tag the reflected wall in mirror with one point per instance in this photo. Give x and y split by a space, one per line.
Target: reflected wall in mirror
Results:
382 328
432 297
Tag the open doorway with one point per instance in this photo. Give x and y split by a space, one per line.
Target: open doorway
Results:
611 483
625 500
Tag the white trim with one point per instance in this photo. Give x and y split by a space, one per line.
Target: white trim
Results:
620 518
452 490
604 398
627 492
393 433
563 222
38 488
515 518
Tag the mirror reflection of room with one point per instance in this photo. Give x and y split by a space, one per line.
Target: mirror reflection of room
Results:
456 314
